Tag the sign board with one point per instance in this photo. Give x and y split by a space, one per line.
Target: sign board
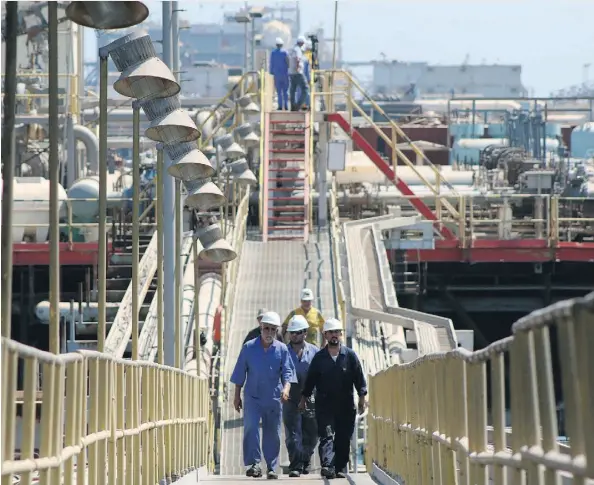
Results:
337 155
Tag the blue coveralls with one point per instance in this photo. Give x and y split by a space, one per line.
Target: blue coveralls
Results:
335 406
279 68
300 428
264 373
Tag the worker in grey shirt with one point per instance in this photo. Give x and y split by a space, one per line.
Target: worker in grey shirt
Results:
297 75
256 332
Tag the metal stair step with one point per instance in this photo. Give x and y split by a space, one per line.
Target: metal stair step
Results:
287 198
288 208
284 160
287 219
288 228
287 150
283 189
287 179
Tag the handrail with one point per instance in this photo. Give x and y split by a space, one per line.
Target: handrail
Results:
391 142
429 417
263 143
139 421
335 242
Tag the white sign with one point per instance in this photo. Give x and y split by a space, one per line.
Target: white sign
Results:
337 155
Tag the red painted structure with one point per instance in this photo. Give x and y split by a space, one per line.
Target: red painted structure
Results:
504 251
383 166
71 254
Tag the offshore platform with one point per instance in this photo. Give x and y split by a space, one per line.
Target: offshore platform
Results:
135 280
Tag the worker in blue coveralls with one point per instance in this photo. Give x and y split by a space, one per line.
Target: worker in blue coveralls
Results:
301 434
333 372
267 371
279 68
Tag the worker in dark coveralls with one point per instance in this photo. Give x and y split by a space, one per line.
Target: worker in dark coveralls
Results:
255 332
301 434
266 372
333 372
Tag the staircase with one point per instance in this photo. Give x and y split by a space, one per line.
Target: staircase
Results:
406 275
286 191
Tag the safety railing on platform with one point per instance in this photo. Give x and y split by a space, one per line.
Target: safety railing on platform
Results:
106 418
335 242
338 84
443 417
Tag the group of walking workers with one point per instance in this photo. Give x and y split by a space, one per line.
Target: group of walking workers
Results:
291 71
307 388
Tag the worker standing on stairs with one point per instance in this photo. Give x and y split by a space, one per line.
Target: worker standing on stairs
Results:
312 315
296 71
267 371
333 372
279 68
301 434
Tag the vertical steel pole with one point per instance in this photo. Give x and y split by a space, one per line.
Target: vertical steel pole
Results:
179 273
135 223
169 262
8 162
253 49
159 214
246 49
196 302
54 178
102 264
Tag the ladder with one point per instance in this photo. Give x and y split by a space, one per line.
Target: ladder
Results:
286 185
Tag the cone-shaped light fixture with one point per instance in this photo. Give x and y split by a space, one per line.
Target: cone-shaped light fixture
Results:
187 162
241 173
246 135
107 15
169 123
247 105
203 195
230 148
216 248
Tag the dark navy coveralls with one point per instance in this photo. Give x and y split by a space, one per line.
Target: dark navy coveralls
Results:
264 373
335 405
300 428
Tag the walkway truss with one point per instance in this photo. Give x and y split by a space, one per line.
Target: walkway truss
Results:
437 413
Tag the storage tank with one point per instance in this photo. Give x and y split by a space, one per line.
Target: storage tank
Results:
582 141
31 207
274 29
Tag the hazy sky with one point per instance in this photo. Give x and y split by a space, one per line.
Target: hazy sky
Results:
551 39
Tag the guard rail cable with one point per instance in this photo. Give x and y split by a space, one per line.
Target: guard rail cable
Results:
439 429
119 334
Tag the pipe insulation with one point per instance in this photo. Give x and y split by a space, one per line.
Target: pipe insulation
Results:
209 298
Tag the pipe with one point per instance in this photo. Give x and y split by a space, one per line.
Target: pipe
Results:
71 169
91 143
209 297
54 178
169 261
196 309
8 162
159 294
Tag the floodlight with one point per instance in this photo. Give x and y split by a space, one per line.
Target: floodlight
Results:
187 162
107 15
231 149
241 173
247 105
169 123
216 248
203 195
246 135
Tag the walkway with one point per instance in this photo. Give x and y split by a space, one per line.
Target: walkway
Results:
314 479
270 275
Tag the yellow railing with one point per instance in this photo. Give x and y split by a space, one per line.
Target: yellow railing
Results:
110 419
428 419
335 241
334 89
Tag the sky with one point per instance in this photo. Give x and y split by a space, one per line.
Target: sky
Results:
551 39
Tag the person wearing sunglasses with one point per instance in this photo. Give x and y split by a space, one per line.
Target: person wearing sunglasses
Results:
265 372
334 372
301 434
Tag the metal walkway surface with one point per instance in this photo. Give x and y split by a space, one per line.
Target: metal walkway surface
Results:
270 275
313 479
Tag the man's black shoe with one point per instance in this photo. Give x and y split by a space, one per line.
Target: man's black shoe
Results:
306 469
254 471
271 475
328 472
341 475
294 473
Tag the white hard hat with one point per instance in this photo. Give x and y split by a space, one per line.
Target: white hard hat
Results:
306 294
332 324
279 41
297 323
271 318
301 40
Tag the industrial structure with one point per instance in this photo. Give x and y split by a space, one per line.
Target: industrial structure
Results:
140 255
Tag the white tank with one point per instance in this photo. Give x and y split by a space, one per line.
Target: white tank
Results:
274 29
88 188
31 207
359 169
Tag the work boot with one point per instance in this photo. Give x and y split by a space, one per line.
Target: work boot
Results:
271 475
306 468
341 472
294 473
254 471
327 472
